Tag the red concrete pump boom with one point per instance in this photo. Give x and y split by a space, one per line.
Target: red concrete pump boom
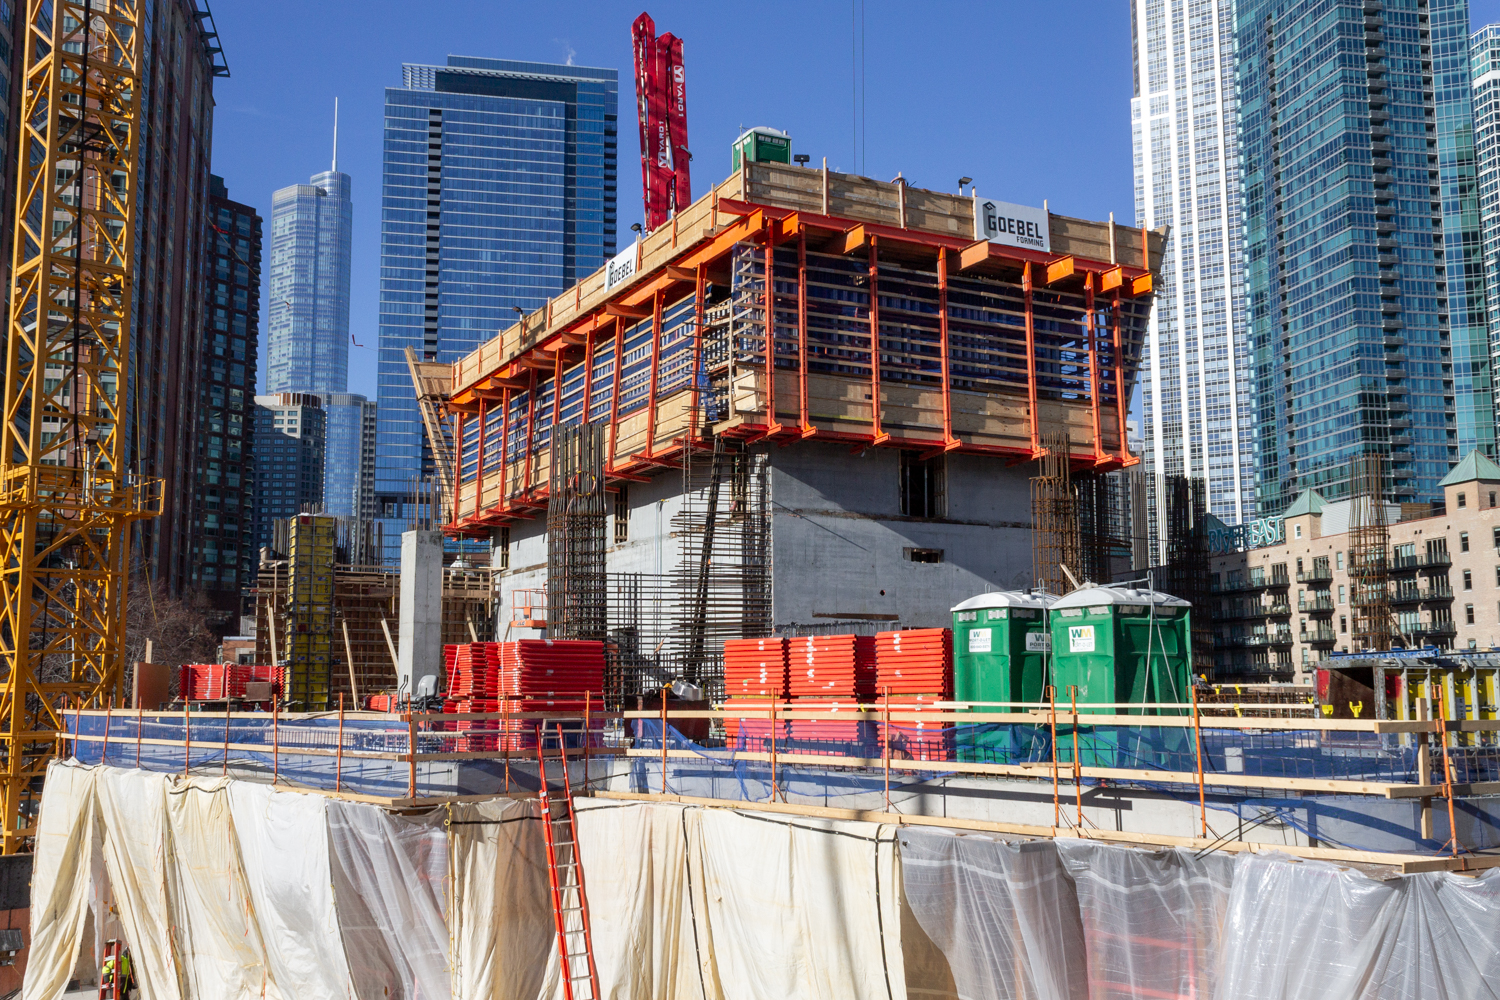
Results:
661 112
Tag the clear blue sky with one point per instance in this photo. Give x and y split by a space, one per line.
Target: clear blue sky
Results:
1032 100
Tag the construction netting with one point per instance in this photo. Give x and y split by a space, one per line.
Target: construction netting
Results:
225 888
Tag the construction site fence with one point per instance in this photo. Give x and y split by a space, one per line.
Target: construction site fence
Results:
432 754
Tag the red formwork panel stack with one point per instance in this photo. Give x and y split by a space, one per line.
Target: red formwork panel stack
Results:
546 675
224 681
209 682
470 667
755 672
826 674
914 671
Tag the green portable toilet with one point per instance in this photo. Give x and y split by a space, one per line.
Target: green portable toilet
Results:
1118 645
999 654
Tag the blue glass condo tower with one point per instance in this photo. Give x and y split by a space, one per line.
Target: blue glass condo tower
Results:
1362 243
499 190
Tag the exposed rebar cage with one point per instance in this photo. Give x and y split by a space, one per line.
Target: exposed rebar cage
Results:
1054 519
575 534
1369 545
1103 525
724 563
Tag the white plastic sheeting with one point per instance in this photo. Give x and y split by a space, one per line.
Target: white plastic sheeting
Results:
1151 919
60 879
1312 931
283 843
217 934
686 904
231 889
1005 914
500 917
390 881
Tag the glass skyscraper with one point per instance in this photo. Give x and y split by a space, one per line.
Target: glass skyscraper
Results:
308 346
499 189
1484 67
348 455
1197 404
1362 242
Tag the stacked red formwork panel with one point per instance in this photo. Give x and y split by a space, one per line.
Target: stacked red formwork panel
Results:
226 681
829 674
913 672
755 674
471 689
546 675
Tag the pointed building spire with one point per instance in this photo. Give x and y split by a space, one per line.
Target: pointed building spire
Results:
335 135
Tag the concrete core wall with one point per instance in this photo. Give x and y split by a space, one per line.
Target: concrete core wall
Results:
840 544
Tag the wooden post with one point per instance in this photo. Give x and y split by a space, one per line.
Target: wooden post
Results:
1077 766
1052 715
479 447
664 691
338 751
140 723
614 396
1198 755
587 732
411 753
390 645
187 736
224 770
773 748
275 739
349 657
1424 765
885 748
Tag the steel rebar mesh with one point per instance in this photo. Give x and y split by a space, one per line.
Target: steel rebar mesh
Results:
575 534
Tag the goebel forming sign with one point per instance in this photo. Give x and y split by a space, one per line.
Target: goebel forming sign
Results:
661 108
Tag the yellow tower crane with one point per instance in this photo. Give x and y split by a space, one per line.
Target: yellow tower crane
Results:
67 500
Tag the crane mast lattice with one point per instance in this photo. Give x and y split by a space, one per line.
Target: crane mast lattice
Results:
67 500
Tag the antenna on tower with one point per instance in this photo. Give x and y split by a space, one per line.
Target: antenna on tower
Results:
335 135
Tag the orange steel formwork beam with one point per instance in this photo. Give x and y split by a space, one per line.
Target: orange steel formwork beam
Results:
656 306
1088 311
614 395
700 290
949 441
458 449
1126 459
504 451
806 429
879 437
1037 451
530 429
772 425
557 392
481 443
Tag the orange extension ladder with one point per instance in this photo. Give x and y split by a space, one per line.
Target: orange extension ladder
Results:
570 905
